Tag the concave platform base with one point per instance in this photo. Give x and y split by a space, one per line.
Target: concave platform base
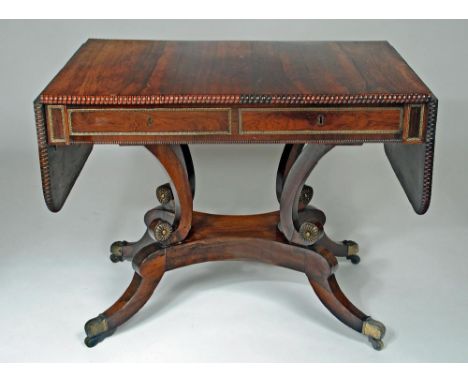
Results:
217 237
253 237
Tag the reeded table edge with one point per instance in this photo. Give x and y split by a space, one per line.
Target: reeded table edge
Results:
429 154
43 154
243 99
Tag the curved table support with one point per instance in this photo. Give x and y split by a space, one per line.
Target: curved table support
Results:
170 222
302 233
289 155
133 299
176 236
296 211
189 167
174 160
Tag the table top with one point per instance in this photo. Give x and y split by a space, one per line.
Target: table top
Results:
158 72
183 92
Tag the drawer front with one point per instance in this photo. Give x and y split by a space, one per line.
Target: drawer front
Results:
149 122
321 121
135 125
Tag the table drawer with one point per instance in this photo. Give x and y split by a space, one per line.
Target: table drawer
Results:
150 121
130 125
322 121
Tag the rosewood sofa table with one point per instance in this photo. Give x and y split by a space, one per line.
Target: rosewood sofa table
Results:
165 95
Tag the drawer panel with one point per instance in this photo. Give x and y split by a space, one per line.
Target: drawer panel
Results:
154 121
325 121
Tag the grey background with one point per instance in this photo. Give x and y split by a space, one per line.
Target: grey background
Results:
55 273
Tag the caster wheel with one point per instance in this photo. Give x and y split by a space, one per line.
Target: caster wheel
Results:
115 258
376 344
90 342
355 259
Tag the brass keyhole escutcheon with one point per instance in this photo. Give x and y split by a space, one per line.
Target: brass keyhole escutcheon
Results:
149 121
320 120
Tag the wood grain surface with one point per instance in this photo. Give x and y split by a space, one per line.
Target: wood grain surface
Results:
322 120
157 121
130 72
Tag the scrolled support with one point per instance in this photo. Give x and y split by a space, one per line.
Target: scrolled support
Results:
177 162
175 211
289 189
164 191
189 167
288 157
290 153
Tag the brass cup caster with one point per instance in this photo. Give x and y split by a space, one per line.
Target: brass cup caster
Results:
116 250
164 194
311 232
97 329
353 250
375 331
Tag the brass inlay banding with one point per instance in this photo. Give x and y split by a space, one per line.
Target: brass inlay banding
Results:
50 123
421 122
156 133
320 132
